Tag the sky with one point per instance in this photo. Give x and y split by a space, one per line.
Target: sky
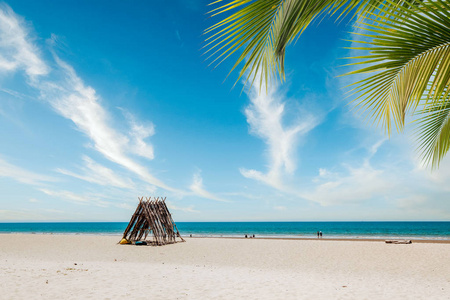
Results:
102 102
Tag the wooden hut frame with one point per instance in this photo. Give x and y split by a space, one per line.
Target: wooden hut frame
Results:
152 217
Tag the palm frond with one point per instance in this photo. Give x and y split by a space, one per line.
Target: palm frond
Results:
264 28
409 52
411 57
434 132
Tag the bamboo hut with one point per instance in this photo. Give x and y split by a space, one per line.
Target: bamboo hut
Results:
152 219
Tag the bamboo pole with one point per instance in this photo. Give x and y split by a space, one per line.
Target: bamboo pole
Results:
133 218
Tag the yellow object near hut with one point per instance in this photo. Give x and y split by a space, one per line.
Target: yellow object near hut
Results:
124 241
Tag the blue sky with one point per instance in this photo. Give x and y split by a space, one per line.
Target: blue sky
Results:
105 101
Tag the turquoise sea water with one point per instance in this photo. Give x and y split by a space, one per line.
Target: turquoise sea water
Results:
412 230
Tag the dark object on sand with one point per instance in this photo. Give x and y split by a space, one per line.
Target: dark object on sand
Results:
152 217
140 243
398 242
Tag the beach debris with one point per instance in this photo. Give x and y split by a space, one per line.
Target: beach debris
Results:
398 242
152 217
46 281
74 264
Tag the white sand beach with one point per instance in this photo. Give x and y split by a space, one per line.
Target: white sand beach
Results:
35 266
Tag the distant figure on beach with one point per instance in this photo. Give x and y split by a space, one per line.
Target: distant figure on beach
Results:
245 236
320 233
253 235
190 235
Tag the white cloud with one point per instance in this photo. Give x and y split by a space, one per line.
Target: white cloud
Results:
189 209
66 196
247 195
139 132
397 185
22 175
438 178
72 99
198 189
76 198
411 201
17 51
358 184
266 117
96 173
80 104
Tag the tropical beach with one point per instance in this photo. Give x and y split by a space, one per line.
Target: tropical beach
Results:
230 149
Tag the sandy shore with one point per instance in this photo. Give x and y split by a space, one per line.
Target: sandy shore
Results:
83 267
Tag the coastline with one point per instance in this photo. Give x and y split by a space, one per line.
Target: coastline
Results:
274 237
44 266
346 239
374 230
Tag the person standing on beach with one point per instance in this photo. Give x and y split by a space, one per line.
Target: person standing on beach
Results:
318 234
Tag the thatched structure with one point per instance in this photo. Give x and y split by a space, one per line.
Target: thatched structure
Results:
152 218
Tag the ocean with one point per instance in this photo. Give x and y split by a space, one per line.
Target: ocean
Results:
355 230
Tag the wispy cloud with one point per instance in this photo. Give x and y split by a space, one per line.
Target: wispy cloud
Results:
138 133
198 189
394 183
18 52
266 117
189 209
90 199
72 99
96 173
80 104
357 184
22 175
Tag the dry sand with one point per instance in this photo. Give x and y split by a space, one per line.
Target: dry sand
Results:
84 267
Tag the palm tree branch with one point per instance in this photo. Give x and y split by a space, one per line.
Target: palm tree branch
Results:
416 65
434 132
249 28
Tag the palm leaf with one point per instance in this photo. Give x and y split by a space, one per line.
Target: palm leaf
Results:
409 51
264 28
434 132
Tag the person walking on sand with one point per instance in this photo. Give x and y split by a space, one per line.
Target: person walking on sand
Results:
320 233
